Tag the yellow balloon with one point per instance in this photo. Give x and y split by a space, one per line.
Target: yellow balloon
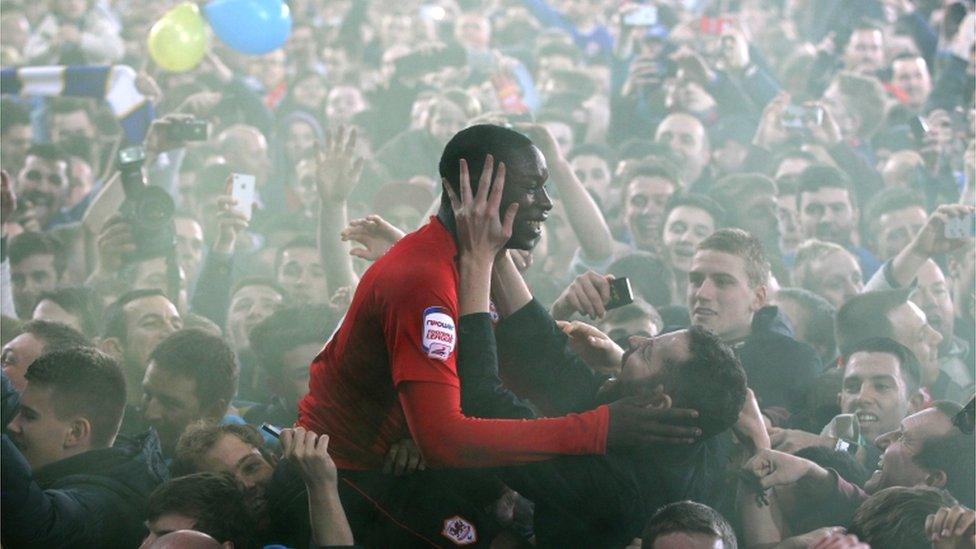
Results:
178 40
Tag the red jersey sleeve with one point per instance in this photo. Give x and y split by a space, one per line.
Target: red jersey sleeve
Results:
449 439
420 327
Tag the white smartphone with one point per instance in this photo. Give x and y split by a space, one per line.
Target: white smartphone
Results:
243 191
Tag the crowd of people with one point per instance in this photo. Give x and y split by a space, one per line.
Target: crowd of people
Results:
554 273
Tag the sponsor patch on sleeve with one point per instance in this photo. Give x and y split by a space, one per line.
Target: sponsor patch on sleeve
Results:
439 334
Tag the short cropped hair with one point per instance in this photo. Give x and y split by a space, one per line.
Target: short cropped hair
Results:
30 243
700 201
79 301
288 328
911 370
201 436
807 253
204 358
741 244
301 241
54 335
115 315
213 500
822 176
865 95
86 382
894 518
735 187
691 517
473 144
48 152
865 316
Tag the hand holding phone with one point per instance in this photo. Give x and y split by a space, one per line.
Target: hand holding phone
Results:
244 192
271 430
620 293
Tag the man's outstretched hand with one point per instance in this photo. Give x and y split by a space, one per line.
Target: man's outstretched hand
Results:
375 235
634 423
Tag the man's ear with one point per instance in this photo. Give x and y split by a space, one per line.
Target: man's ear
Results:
936 479
111 346
916 402
759 297
953 268
78 434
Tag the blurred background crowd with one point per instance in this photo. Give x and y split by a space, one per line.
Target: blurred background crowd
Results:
839 134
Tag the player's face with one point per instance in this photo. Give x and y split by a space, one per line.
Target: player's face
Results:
526 174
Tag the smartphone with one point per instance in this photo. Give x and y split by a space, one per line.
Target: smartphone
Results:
243 191
188 130
641 16
620 293
271 430
919 128
961 227
796 117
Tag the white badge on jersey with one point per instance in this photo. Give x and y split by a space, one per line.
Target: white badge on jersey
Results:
459 530
439 334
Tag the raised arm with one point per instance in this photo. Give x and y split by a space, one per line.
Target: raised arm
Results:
338 170
583 214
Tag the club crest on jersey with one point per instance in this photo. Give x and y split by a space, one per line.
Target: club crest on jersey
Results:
439 335
459 530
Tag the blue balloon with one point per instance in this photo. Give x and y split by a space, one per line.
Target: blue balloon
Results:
250 26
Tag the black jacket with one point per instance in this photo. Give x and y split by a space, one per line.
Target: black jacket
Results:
94 499
581 501
779 367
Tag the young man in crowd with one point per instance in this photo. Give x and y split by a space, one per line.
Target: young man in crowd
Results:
826 204
37 265
880 388
828 270
727 293
190 375
67 480
42 187
36 338
687 524
134 325
812 319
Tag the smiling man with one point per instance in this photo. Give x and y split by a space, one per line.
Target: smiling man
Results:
727 287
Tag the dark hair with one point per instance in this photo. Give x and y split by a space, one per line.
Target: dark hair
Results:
651 168
15 113
712 382
301 241
822 176
83 381
649 276
700 201
844 463
690 517
865 316
637 309
731 189
288 328
55 335
199 437
820 317
115 315
81 302
47 151
32 243
741 244
907 362
473 144
213 500
64 105
894 518
953 454
204 358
